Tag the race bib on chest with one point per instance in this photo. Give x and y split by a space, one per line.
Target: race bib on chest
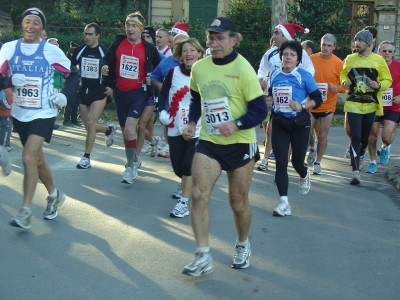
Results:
282 96
184 121
216 111
29 95
90 68
387 97
323 88
129 67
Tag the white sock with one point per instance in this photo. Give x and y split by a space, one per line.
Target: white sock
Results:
242 243
203 249
26 208
53 194
373 161
153 141
184 200
285 199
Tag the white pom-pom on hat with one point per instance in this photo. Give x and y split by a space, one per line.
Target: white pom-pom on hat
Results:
288 30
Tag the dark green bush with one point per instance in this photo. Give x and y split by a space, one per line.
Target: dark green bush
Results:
322 17
67 18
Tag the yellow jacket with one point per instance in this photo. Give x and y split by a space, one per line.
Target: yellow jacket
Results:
361 98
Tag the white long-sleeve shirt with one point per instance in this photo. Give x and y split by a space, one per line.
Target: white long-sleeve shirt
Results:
271 61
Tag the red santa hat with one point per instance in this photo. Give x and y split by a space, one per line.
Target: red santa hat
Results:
180 27
288 30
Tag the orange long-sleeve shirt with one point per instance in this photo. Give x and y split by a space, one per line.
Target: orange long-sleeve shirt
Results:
327 71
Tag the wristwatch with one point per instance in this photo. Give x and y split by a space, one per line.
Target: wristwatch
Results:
379 85
238 123
303 106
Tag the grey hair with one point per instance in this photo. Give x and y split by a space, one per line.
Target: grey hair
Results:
329 38
387 43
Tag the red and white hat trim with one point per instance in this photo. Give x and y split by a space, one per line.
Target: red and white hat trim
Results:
180 27
288 30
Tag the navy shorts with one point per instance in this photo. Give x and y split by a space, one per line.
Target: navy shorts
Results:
151 101
129 104
40 127
388 115
230 157
87 96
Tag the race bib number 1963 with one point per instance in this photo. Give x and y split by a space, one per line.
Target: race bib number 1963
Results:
129 67
29 95
387 97
282 96
216 111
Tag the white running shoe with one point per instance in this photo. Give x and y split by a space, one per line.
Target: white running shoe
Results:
128 176
347 153
317 169
154 148
178 193
311 156
110 137
282 210
202 264
355 178
23 219
180 210
136 166
305 184
164 152
361 163
5 161
241 258
53 204
263 166
84 163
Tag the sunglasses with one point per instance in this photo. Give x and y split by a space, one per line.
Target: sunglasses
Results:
388 51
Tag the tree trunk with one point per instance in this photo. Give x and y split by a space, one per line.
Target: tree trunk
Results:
278 13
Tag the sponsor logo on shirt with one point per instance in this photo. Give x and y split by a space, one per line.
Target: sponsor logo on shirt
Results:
232 76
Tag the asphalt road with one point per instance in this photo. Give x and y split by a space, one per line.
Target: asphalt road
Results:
117 241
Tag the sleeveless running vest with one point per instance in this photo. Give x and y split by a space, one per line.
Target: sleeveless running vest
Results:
32 100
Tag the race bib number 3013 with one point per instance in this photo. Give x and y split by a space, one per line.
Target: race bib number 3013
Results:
216 111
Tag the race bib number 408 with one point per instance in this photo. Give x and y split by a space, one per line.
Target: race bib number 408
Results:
387 97
323 88
216 111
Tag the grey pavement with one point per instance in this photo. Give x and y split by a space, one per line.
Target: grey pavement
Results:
117 241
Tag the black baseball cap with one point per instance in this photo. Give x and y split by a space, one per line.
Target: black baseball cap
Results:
221 25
